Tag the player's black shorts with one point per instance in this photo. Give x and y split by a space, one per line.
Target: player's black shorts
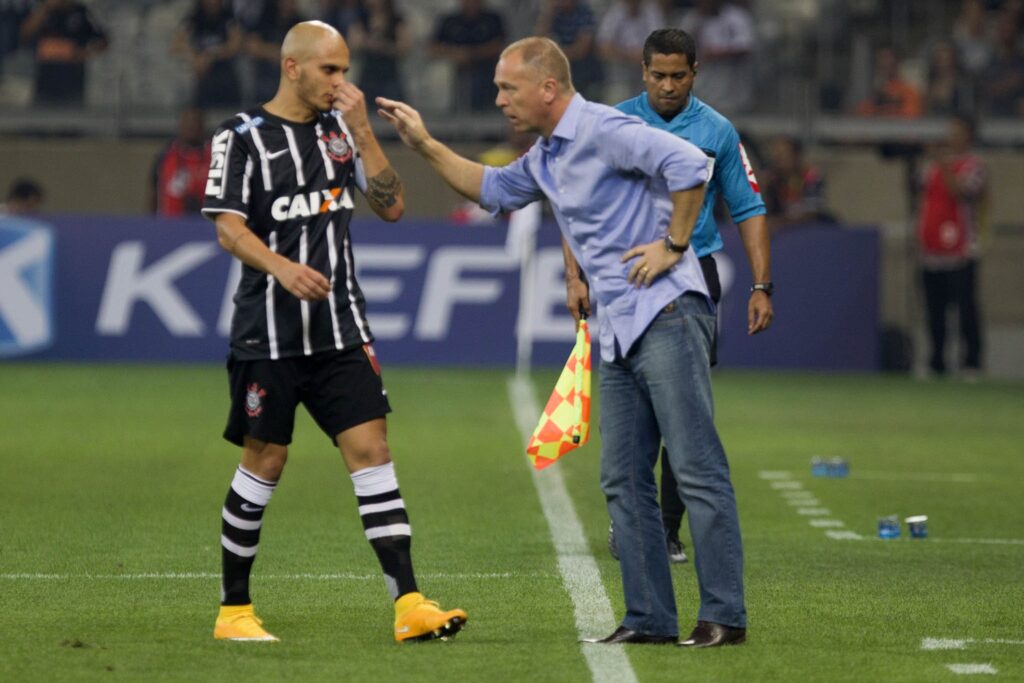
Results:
340 389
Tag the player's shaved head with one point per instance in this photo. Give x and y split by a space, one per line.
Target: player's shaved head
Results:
308 39
314 61
545 58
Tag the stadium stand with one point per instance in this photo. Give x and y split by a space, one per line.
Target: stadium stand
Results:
813 61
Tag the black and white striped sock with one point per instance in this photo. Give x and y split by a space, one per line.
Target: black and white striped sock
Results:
387 525
240 533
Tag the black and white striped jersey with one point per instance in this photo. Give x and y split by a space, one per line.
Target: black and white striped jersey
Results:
293 184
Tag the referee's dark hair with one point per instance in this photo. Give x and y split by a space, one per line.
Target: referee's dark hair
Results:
670 41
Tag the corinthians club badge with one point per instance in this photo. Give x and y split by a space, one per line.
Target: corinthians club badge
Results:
253 400
337 147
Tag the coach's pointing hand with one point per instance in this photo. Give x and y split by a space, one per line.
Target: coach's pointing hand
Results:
406 120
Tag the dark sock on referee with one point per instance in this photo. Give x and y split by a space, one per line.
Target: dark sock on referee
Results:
387 525
240 533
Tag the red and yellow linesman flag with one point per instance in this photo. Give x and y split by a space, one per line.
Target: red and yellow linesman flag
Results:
565 424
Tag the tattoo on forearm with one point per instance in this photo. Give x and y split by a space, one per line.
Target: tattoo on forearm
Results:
384 188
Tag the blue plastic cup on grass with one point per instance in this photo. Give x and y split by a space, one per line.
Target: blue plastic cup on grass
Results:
819 468
837 467
889 527
917 526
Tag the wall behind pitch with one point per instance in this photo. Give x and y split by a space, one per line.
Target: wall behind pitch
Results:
109 289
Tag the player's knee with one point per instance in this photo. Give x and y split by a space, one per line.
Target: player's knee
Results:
367 455
265 460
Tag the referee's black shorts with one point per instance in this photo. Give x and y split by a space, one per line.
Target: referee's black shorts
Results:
340 389
710 269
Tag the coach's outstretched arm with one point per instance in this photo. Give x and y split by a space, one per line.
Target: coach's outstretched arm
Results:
465 176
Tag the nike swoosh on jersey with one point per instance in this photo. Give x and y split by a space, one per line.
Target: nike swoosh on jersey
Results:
273 155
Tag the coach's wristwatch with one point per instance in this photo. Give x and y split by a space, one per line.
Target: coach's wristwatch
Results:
766 287
673 247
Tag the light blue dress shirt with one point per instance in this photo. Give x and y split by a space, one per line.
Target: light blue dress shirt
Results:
607 176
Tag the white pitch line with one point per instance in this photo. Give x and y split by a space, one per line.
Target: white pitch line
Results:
172 576
971 669
923 541
943 644
988 541
582 579
962 643
775 474
805 503
916 476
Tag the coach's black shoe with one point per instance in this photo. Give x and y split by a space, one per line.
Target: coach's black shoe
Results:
624 635
707 634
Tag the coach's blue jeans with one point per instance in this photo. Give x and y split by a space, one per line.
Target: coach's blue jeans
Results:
661 391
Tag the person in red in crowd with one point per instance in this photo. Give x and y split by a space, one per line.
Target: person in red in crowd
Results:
891 94
953 192
179 174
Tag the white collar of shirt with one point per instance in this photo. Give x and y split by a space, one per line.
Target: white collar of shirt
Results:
565 129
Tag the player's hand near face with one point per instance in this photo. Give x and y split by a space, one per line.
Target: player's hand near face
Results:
349 100
651 261
406 120
302 281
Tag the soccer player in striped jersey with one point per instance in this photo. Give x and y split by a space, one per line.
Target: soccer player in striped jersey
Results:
280 191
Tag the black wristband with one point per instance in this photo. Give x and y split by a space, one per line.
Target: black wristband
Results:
673 247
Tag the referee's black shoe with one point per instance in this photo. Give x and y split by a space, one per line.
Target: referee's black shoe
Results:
676 549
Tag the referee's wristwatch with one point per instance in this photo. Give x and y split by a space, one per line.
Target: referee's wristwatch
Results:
766 287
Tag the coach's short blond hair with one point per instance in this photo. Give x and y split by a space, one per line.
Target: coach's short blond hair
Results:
545 57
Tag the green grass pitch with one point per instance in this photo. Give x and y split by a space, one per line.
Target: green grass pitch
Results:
113 479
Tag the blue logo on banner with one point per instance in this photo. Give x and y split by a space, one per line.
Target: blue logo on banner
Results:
26 290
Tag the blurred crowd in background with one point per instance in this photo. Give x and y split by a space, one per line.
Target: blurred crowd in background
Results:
901 78
893 58
199 60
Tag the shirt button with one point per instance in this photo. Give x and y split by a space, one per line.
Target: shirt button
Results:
570 220
584 247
